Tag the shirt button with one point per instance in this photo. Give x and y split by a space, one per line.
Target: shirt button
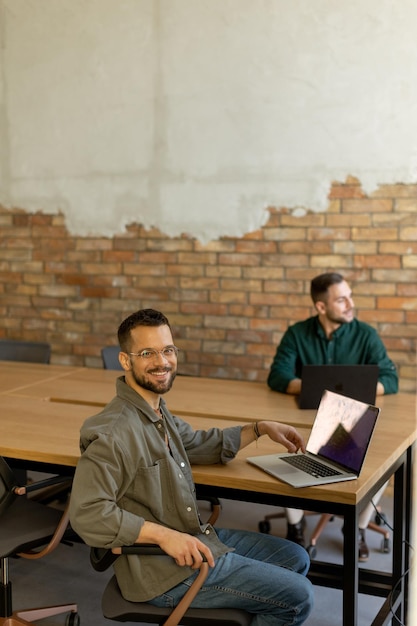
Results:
182 464
207 531
159 426
188 508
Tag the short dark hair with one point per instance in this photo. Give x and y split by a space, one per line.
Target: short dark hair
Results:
143 317
320 284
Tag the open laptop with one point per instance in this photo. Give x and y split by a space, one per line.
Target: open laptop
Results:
355 381
336 448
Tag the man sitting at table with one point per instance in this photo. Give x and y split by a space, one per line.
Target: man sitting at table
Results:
334 335
133 484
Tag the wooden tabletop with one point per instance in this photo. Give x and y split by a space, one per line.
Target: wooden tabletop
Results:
230 399
236 400
39 430
16 376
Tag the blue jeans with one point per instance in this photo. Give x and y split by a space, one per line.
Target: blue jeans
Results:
265 575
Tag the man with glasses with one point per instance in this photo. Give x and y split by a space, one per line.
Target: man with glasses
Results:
133 484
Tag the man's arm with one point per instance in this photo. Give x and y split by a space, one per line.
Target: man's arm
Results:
185 549
282 375
388 376
286 435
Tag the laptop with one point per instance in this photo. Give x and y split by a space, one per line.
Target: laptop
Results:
355 381
336 448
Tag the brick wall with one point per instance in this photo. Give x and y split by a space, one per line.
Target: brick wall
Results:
229 301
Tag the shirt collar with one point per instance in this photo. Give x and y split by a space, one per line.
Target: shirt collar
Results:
337 333
128 394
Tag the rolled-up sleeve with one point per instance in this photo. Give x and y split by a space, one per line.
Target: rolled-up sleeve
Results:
206 447
98 484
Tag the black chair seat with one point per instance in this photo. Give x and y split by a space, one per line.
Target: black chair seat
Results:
116 608
17 535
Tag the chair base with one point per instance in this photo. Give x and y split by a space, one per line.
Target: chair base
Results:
28 616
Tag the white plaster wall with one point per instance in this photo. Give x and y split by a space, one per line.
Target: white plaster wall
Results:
196 115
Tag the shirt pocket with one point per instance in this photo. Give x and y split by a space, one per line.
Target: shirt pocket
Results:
153 487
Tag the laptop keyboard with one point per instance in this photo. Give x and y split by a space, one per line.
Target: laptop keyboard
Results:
310 466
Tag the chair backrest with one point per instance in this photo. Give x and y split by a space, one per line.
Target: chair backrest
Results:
110 357
30 351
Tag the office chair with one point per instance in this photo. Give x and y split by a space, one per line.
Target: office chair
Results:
29 530
377 525
110 358
116 608
30 351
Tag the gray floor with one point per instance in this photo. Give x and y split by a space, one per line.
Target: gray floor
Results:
66 574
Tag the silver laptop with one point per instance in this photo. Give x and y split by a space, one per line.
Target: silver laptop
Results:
336 448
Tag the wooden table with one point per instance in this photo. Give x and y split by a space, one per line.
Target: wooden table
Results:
43 434
240 401
236 400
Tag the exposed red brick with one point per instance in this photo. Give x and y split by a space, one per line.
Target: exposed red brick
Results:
230 300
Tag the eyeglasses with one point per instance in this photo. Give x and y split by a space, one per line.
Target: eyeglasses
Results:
148 354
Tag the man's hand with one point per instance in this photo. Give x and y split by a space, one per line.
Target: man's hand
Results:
185 549
288 436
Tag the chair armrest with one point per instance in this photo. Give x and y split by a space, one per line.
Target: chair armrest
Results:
102 558
42 484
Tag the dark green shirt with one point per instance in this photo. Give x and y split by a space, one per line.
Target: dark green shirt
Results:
305 343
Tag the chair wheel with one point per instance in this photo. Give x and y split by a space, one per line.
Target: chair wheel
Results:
312 551
385 545
73 619
264 527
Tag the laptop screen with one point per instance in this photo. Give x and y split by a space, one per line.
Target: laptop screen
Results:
342 430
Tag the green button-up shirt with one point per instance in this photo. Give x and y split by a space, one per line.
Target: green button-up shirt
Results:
127 474
305 343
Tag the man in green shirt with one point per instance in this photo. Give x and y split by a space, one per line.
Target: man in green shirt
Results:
333 336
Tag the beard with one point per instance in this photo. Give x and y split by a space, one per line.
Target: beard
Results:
156 387
341 319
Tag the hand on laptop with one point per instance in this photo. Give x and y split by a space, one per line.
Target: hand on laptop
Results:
288 436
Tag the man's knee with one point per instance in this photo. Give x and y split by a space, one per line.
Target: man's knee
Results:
305 600
301 559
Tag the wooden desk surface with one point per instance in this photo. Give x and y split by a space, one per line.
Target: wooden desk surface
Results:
16 376
229 399
38 430
33 429
240 401
236 400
